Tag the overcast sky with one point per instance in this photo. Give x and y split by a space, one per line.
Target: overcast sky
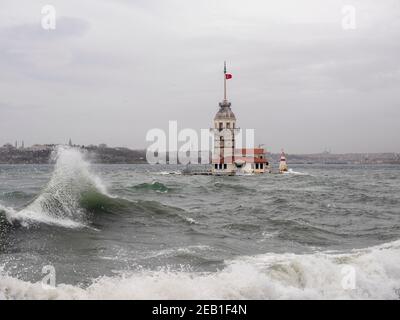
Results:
112 70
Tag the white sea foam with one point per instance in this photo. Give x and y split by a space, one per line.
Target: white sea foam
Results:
188 219
4 208
58 203
163 173
266 276
29 217
291 171
173 251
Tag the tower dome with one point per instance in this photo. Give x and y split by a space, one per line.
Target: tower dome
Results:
225 112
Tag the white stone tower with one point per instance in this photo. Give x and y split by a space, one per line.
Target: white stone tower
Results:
224 136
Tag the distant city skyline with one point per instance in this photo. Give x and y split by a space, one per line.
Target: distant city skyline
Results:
112 70
326 151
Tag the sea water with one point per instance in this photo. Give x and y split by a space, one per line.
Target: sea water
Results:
149 232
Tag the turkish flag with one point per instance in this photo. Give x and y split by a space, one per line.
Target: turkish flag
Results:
228 76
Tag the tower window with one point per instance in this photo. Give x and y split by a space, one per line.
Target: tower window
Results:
261 165
225 166
228 125
221 125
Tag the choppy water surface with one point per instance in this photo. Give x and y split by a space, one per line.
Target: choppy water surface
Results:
141 231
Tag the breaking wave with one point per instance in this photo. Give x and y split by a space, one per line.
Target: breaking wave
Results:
267 276
60 201
75 195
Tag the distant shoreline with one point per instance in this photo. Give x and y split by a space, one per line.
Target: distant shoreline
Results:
41 154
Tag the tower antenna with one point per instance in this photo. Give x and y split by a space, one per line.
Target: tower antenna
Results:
224 80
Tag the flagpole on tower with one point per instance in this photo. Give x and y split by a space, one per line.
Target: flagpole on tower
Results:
224 80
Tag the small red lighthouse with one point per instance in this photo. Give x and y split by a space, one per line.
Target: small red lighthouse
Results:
282 163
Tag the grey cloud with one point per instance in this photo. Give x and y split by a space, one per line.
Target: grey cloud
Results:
22 46
116 69
66 27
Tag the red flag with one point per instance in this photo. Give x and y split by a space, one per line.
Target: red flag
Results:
228 76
